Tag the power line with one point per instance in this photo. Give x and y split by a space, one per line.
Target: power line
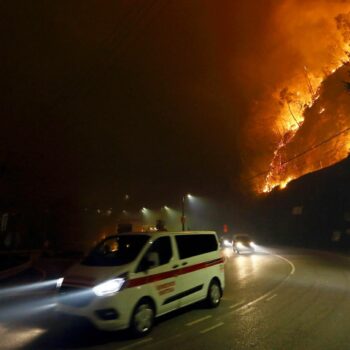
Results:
317 145
304 152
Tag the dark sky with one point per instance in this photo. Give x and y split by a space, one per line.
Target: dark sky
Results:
105 97
149 97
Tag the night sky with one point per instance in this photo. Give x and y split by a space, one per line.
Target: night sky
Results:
148 97
104 98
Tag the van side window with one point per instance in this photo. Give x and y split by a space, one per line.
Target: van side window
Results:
158 254
192 245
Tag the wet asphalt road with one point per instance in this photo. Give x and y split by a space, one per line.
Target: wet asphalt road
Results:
277 299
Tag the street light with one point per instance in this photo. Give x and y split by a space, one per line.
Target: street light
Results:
183 217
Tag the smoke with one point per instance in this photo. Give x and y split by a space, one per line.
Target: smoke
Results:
296 86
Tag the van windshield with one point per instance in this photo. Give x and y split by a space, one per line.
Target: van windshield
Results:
115 251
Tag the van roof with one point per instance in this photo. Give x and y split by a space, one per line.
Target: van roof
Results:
167 232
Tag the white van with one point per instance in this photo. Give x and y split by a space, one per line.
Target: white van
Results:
129 279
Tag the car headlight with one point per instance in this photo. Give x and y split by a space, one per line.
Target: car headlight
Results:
227 242
252 244
109 287
59 282
240 245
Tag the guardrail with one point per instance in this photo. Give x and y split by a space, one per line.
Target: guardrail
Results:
12 271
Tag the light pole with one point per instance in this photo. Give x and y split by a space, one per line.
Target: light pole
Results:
183 216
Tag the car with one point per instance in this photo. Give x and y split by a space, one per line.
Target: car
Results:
131 278
243 243
226 242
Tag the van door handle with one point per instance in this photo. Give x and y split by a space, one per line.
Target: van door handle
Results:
184 263
175 266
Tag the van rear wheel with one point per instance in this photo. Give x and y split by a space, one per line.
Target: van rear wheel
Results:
214 294
142 320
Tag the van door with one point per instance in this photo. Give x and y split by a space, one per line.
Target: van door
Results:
197 252
156 275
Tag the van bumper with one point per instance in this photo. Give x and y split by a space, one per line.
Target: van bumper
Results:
105 313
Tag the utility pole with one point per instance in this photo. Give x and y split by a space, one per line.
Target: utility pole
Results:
183 217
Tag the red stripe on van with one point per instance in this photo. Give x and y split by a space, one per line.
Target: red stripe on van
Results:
164 275
89 282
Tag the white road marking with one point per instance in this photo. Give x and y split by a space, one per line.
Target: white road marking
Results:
273 290
198 320
237 304
141 342
288 262
244 312
246 306
271 297
211 328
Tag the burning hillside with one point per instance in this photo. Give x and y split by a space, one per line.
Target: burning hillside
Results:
319 139
300 122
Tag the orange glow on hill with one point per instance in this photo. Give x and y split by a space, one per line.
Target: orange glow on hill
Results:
301 121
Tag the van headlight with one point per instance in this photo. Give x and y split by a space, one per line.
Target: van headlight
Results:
109 287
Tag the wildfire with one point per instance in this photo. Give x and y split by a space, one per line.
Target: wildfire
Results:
309 116
278 174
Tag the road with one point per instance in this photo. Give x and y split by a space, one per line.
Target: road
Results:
277 299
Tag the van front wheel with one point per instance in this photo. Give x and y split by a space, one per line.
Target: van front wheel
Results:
142 320
214 294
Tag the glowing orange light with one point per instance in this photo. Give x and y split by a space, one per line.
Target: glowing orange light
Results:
284 183
301 118
290 123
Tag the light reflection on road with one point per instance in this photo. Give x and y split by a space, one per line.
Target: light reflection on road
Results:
246 265
227 252
243 265
23 336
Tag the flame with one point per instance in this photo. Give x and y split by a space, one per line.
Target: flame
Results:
322 109
277 175
297 98
284 183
